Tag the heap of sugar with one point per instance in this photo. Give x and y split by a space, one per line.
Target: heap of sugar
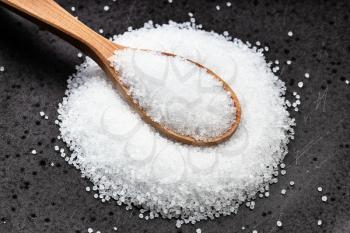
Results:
176 93
128 161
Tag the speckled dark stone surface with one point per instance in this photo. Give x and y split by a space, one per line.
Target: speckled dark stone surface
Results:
36 197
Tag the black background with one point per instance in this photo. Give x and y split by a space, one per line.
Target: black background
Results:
36 197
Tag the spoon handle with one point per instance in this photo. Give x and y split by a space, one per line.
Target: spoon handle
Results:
49 14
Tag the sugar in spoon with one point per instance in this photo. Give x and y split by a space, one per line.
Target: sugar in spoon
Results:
49 14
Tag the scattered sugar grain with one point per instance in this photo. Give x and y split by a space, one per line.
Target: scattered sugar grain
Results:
198 230
291 183
100 30
72 8
2 68
319 222
228 4
88 189
347 82
300 84
46 117
283 191
106 8
290 33
90 230
34 152
289 62
56 148
279 223
217 7
324 198
319 189
42 113
307 75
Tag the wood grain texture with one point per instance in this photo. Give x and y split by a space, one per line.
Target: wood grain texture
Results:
49 14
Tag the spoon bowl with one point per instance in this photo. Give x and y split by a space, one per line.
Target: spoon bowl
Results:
49 14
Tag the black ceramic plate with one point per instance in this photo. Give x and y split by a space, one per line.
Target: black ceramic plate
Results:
36 197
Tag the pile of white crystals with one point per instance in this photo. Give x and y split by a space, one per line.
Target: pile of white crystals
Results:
176 93
127 160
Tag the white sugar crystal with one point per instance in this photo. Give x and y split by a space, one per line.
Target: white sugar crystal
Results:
283 191
90 230
279 223
46 117
324 198
106 8
218 7
291 183
115 228
87 189
198 230
300 84
290 33
228 4
255 231
347 82
72 8
307 75
289 62
319 222
177 103
34 152
42 113
80 54
100 30
2 68
132 164
319 189
56 148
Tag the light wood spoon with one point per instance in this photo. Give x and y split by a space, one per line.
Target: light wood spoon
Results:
49 14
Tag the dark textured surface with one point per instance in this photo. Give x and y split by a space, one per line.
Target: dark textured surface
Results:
36 197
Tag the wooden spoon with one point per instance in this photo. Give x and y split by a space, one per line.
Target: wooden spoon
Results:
49 14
